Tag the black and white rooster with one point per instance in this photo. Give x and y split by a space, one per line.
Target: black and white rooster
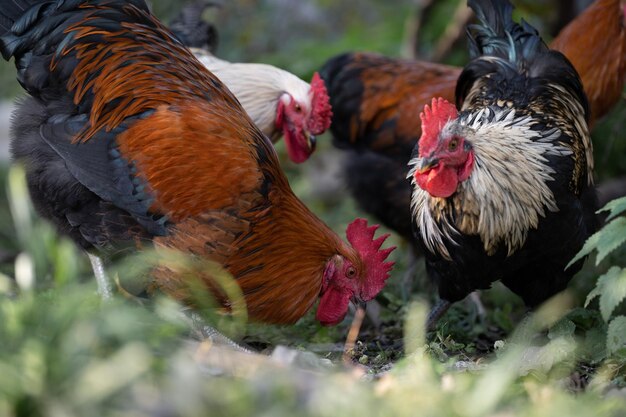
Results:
503 187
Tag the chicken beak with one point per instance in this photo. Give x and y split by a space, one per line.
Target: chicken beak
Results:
426 164
359 303
312 142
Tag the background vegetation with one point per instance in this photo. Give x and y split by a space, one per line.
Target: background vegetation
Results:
63 352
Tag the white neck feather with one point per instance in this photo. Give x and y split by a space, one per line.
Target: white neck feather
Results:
507 191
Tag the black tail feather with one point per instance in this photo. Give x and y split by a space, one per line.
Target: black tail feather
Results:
494 15
27 23
498 35
518 48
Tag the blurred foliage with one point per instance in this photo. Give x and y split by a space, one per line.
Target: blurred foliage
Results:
66 353
611 286
609 144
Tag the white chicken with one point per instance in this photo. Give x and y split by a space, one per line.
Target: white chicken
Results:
278 102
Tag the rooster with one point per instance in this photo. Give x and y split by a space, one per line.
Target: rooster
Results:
375 100
127 138
279 103
503 188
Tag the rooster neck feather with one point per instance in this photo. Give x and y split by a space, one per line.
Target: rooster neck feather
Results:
274 247
508 191
539 96
290 274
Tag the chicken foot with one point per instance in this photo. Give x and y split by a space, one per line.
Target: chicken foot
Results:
207 332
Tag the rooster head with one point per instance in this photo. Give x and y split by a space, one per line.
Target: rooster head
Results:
445 159
356 277
301 118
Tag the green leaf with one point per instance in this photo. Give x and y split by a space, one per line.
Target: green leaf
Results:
562 328
605 241
616 207
611 288
611 237
585 319
593 294
595 344
616 337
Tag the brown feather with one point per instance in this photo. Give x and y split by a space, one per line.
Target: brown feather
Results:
276 254
272 244
398 89
133 85
595 43
173 148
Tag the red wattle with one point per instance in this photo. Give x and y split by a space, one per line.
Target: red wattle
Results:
333 306
297 150
440 181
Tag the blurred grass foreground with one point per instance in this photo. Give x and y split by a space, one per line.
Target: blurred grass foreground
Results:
65 353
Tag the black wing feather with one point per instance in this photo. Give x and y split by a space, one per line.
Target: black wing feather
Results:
346 93
99 166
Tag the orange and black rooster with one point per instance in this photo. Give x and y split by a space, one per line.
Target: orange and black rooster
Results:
503 188
376 100
126 137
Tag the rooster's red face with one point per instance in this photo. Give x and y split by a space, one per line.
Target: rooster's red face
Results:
357 276
445 159
301 119
340 286
292 119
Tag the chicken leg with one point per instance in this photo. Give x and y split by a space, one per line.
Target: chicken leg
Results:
198 324
474 297
104 284
436 312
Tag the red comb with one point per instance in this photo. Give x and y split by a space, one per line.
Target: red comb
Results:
361 237
321 112
433 120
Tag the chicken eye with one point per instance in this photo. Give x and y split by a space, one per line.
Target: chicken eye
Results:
298 108
350 272
454 143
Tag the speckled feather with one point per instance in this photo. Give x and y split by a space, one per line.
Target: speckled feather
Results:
528 204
